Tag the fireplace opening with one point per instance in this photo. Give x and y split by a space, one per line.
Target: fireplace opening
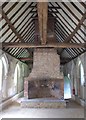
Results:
45 89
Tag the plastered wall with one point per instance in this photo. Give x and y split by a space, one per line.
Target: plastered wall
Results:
72 68
9 87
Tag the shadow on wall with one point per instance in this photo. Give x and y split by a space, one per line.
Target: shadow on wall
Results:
67 88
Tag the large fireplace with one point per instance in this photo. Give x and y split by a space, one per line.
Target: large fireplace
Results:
45 80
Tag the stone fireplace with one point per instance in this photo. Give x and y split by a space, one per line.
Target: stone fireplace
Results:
45 80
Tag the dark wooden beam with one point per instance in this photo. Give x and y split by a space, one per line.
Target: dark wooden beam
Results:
83 4
42 8
26 59
48 11
49 45
4 4
76 7
54 7
28 23
51 7
11 8
24 13
10 25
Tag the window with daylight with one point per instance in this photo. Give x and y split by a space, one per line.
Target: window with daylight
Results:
5 63
16 74
81 73
1 69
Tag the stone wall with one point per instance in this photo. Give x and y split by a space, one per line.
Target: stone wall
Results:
10 87
45 80
73 70
46 65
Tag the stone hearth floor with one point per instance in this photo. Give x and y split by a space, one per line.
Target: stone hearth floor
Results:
43 103
73 110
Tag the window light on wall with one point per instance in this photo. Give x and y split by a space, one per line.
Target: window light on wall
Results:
82 79
69 76
1 67
5 65
16 74
82 74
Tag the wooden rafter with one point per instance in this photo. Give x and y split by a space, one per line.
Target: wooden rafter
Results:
76 29
17 18
13 6
69 18
68 39
83 4
75 16
63 60
26 59
42 18
4 4
10 24
49 45
72 20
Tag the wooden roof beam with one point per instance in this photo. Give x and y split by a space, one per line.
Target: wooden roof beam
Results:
68 39
42 8
10 24
26 59
49 45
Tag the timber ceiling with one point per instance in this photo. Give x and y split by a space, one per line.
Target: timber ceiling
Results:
17 28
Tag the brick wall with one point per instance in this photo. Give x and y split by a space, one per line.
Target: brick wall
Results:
46 65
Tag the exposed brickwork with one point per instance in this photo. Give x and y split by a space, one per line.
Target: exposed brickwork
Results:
26 88
46 66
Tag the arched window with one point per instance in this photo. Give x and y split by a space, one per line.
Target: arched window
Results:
23 69
3 74
4 60
3 68
81 73
16 74
81 80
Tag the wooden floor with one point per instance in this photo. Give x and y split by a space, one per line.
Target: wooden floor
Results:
73 110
